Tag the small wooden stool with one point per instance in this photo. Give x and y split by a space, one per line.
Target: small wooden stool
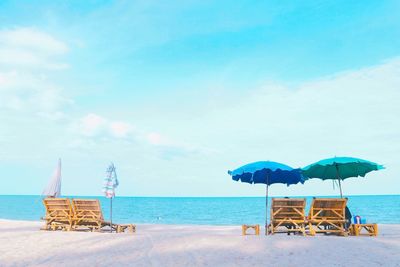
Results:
256 228
122 227
59 226
371 229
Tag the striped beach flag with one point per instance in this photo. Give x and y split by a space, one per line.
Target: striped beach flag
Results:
110 182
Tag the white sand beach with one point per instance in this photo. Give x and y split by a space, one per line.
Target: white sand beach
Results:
23 244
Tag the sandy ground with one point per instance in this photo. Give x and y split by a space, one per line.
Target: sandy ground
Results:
23 244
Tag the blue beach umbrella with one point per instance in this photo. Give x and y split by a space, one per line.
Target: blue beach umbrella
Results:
267 172
340 168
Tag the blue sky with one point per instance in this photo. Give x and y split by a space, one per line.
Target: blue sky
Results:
176 93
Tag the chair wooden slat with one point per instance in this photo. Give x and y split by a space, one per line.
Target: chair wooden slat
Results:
327 215
88 214
287 215
58 214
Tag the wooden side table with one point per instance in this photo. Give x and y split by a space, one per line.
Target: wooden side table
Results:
256 228
371 229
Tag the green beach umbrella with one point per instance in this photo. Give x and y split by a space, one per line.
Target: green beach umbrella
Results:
340 168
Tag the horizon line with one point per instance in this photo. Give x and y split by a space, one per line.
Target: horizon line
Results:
205 196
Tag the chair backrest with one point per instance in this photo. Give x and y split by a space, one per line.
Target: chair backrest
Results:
328 209
87 209
288 208
58 209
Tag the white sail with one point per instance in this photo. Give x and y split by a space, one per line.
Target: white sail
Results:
53 188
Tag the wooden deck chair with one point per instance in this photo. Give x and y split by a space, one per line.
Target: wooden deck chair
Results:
327 215
58 214
287 215
88 214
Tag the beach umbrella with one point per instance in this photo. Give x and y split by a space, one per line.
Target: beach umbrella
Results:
267 172
110 183
53 188
340 168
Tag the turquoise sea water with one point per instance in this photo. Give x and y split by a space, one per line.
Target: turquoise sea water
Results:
198 210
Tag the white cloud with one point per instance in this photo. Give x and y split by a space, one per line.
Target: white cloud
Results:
157 139
22 57
30 48
356 98
91 124
120 129
33 39
96 126
27 57
28 92
98 129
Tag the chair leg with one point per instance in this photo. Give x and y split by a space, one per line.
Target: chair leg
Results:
257 230
312 232
303 230
343 229
269 230
46 226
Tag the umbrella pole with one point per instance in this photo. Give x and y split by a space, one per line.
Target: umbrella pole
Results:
266 210
338 177
111 215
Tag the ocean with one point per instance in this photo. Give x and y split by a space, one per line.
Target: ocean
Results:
198 210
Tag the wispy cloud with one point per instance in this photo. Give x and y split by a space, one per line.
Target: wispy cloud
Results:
121 129
157 139
32 92
34 39
27 57
98 128
31 48
339 114
94 125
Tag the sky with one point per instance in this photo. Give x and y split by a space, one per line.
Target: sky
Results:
176 93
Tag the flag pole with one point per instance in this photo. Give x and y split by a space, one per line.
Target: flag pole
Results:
110 183
111 215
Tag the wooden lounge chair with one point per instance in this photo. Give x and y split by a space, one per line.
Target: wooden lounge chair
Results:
287 215
58 214
327 215
88 214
